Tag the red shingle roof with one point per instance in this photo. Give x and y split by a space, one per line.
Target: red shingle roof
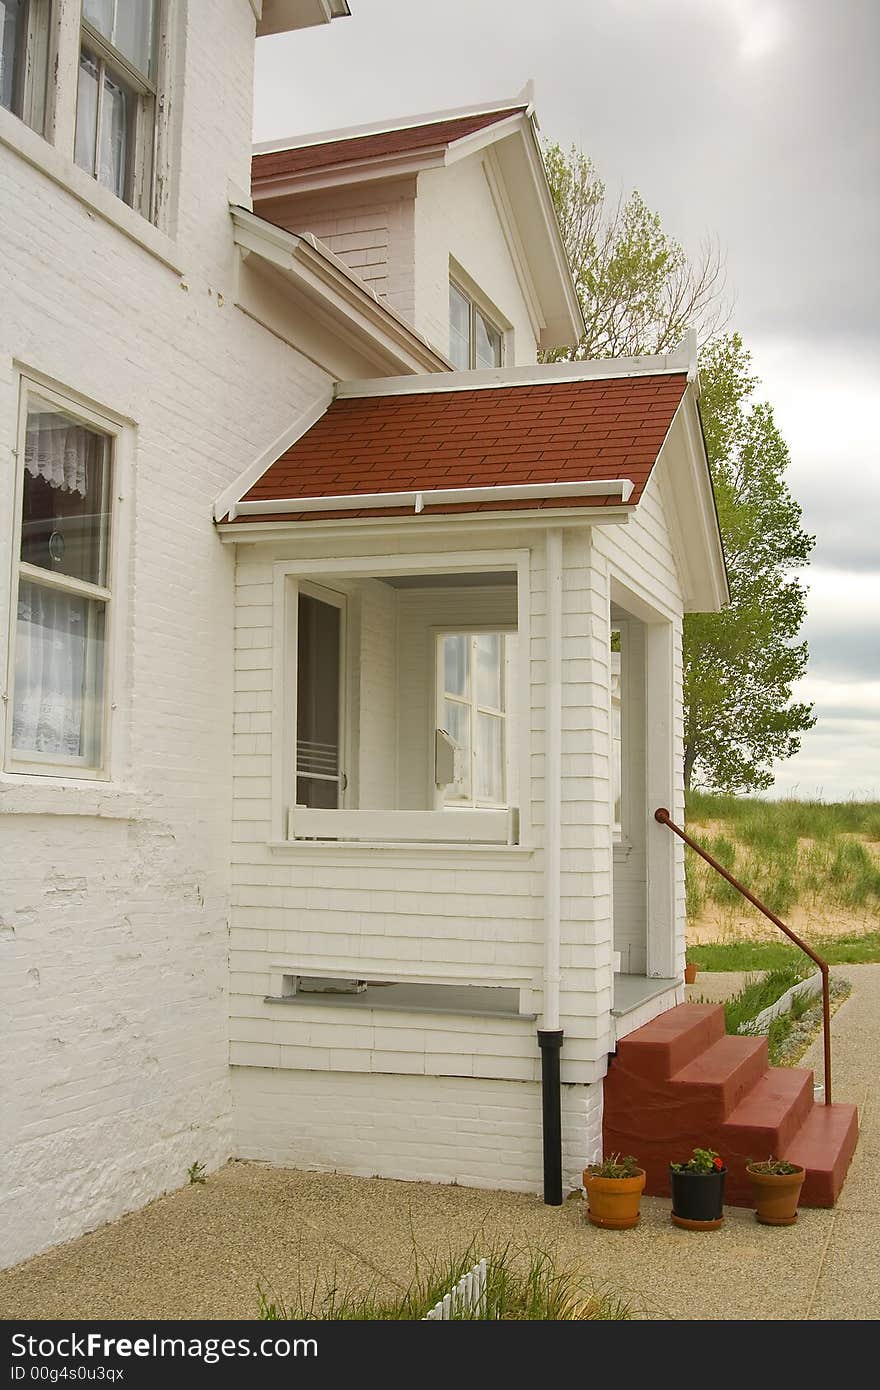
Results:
353 149
572 431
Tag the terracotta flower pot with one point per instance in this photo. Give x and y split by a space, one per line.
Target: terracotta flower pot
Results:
690 974
776 1196
614 1202
698 1199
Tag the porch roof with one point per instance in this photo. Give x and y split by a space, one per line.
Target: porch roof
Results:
558 441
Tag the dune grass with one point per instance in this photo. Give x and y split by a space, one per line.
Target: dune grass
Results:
759 994
521 1286
787 853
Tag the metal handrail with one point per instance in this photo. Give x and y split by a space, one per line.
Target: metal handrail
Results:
663 816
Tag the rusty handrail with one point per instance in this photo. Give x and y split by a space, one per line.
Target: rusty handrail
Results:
663 816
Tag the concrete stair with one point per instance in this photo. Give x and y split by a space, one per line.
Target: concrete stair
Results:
681 1082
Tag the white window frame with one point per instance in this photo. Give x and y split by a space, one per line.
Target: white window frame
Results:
112 594
38 50
478 305
474 802
141 164
338 599
339 571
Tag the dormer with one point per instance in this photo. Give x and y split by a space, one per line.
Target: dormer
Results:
448 218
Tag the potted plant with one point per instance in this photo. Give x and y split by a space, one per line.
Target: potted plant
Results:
698 1191
614 1190
690 972
776 1189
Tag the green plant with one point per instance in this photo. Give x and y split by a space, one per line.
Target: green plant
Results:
700 1161
757 995
521 1285
196 1172
774 1167
615 1167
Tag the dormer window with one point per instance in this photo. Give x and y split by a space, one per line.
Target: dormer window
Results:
474 340
116 97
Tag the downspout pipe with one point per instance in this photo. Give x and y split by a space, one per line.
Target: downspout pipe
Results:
550 1034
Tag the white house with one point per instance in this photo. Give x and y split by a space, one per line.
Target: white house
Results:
341 642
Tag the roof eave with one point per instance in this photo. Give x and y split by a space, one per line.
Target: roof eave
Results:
313 269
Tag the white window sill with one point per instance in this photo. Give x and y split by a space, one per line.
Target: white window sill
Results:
410 848
28 795
37 152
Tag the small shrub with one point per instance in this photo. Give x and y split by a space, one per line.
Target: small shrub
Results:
196 1173
615 1167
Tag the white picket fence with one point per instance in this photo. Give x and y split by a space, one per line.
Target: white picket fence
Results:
467 1296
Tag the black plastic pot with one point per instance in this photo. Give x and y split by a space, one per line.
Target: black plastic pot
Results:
698 1199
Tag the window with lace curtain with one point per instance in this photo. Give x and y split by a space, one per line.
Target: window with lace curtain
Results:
63 590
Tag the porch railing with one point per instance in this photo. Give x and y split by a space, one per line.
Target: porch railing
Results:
664 818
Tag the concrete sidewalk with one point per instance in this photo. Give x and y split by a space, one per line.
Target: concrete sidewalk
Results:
203 1251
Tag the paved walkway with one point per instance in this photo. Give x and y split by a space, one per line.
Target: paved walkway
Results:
203 1251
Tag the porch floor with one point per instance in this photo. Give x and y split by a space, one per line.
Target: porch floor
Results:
631 991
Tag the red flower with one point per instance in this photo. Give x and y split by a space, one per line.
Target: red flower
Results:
719 1162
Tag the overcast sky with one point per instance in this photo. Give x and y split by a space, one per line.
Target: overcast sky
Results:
756 120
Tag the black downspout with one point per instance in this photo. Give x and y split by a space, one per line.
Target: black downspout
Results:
550 1043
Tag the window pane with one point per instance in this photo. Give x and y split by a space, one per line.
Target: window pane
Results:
59 675
86 113
13 41
319 630
459 329
490 758
117 119
488 342
457 723
456 656
128 25
66 509
490 661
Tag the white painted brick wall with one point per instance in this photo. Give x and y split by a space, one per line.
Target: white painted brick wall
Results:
114 900
478 1133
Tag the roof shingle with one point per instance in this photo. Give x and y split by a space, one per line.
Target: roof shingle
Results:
570 431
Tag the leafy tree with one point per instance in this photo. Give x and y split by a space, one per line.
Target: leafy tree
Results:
637 288
739 664
639 293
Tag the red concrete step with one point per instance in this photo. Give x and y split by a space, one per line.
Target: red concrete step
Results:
770 1114
716 1081
824 1144
666 1044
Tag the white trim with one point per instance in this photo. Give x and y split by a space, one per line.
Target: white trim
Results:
433 497
434 524
327 137
513 240
449 826
492 378
254 471
553 782
314 270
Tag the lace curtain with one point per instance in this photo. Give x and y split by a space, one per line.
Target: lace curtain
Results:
50 658
57 451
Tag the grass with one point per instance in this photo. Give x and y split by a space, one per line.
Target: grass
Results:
758 995
787 852
773 955
520 1286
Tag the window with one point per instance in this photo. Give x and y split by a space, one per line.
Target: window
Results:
472 711
24 58
320 635
116 97
58 706
474 340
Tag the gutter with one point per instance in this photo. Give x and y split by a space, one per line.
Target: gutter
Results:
432 497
